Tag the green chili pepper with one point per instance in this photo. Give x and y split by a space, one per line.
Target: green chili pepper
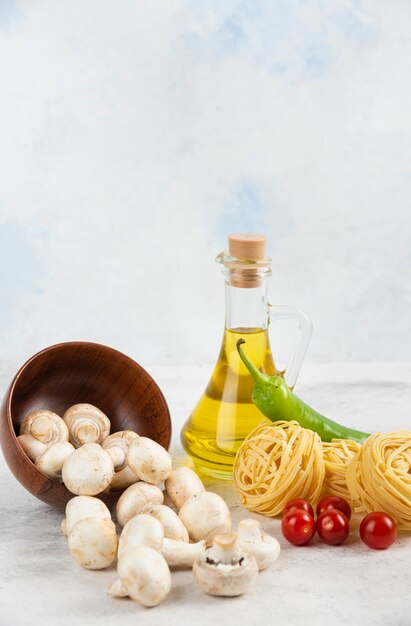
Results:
276 401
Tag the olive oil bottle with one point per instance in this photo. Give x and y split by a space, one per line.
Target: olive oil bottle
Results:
225 414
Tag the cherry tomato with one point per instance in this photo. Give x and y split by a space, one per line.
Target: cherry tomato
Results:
299 504
334 502
298 527
378 530
333 527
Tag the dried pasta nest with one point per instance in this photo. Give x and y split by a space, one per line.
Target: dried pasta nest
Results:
276 463
337 454
379 476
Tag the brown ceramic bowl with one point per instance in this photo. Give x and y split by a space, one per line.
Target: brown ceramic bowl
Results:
70 373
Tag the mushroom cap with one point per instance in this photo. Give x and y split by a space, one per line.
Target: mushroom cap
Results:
81 507
88 470
31 446
145 574
172 524
93 542
205 516
226 580
51 462
120 439
182 484
150 461
45 426
258 544
135 498
86 424
141 530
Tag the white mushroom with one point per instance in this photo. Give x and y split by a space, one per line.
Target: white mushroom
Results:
31 446
145 575
86 424
225 571
182 484
93 542
88 470
51 462
45 426
172 524
81 507
141 530
254 542
117 446
135 498
149 461
205 515
181 553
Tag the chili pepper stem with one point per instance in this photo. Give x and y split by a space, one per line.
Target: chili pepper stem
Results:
258 376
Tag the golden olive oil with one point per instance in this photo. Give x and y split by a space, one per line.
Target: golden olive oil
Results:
225 413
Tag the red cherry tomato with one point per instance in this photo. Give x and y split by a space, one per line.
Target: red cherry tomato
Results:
299 504
333 527
298 527
378 530
334 502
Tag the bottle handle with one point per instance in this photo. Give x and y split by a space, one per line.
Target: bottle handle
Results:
305 327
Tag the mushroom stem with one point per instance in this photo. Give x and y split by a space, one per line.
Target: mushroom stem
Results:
42 429
225 549
181 553
118 456
117 590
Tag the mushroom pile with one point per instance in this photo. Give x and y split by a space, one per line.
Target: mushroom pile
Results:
183 526
194 531
78 450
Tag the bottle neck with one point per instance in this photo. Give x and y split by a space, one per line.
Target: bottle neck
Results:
246 307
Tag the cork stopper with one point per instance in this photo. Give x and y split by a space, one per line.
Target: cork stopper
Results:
247 246
246 261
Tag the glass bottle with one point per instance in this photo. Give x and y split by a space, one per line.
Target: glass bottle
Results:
225 414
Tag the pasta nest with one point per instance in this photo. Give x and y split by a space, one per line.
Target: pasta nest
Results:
276 463
379 476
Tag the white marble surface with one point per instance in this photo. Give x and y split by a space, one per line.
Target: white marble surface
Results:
315 585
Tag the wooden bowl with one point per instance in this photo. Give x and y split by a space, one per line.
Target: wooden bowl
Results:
70 373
